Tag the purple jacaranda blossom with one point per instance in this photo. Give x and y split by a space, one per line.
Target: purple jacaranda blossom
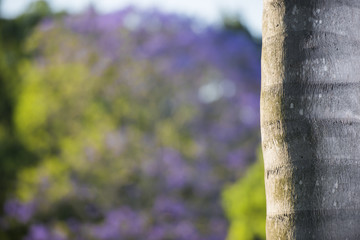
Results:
224 132
46 24
249 115
181 230
177 171
20 211
120 223
110 22
169 208
157 232
42 232
171 168
236 159
38 232
185 230
205 182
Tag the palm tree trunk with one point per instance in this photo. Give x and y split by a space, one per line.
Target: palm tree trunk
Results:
310 118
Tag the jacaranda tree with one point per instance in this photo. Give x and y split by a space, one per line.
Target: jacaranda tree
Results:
139 118
310 118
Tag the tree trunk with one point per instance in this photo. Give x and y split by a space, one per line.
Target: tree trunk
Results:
310 118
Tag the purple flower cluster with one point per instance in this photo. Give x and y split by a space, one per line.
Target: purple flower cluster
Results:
19 211
120 223
183 97
42 232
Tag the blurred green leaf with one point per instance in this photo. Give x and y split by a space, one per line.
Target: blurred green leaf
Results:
245 204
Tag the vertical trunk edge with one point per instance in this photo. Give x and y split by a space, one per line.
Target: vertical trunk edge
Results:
310 118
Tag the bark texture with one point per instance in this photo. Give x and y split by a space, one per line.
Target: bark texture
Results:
310 118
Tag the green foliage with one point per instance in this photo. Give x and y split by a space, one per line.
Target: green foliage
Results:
14 154
245 205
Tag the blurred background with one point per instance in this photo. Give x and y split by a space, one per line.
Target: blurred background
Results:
130 122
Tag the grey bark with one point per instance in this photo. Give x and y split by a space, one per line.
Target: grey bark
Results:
310 118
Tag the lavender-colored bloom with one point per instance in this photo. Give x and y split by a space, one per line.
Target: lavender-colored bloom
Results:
171 168
169 208
177 172
22 212
156 233
236 159
38 232
42 232
182 230
120 223
185 230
